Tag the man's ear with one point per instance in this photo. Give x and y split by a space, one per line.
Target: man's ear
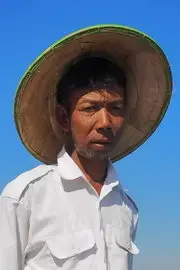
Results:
62 117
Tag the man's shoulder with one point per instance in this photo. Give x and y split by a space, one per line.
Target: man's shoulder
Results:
15 188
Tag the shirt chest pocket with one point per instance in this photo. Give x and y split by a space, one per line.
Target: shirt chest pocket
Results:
124 240
70 249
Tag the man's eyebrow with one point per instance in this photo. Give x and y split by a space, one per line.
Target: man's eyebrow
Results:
94 101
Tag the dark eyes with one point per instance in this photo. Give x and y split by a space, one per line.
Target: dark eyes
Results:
120 107
90 109
95 108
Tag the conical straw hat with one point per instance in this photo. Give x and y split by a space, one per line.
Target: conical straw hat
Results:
149 87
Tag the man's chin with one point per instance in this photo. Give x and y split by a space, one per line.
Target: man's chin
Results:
93 154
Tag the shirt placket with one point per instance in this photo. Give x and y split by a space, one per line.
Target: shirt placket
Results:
101 228
103 196
106 259
100 198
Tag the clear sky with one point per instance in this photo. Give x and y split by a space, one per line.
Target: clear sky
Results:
152 173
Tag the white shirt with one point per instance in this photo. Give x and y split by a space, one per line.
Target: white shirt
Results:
51 218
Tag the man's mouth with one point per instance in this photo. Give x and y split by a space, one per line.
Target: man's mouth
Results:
102 142
102 145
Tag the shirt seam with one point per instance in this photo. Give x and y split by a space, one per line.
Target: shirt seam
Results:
15 200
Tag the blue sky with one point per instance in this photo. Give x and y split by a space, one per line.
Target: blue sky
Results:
151 174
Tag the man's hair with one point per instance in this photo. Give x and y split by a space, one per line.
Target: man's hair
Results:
89 73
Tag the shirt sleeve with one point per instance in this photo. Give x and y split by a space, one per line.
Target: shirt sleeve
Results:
13 234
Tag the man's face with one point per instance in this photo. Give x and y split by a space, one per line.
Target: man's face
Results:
96 119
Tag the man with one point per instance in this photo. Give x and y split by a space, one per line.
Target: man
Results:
90 99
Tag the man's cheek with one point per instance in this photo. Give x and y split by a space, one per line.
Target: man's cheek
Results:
79 136
120 125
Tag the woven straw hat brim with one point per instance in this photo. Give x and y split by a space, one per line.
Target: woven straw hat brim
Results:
149 87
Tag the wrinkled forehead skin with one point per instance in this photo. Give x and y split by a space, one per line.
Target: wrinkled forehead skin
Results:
102 94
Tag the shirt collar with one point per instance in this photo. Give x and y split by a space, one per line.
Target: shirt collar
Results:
67 167
70 171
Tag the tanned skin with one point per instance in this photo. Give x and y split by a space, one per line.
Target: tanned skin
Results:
93 124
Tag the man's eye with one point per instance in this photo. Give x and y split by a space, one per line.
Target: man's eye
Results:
117 110
120 107
89 109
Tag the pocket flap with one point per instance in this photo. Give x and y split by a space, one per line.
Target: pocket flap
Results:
68 245
123 239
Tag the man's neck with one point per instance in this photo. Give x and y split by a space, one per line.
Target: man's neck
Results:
95 170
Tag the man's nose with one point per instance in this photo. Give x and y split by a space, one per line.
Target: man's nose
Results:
104 120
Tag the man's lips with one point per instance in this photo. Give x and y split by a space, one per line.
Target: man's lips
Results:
102 142
101 145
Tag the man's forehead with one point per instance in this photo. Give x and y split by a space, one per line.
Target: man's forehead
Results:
93 95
